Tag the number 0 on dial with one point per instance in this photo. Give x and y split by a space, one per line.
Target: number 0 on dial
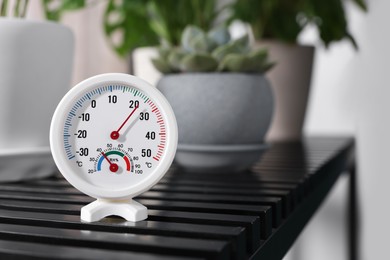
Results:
113 136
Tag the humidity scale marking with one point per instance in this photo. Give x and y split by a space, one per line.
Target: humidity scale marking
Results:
113 136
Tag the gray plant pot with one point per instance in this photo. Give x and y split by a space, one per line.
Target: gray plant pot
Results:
222 118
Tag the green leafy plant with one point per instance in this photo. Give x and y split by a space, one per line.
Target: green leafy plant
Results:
54 9
19 9
285 19
130 24
148 22
214 50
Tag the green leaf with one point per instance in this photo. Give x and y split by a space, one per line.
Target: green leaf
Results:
259 54
55 14
161 65
220 35
175 57
3 8
238 46
253 63
267 66
285 19
51 14
68 5
220 52
191 35
242 43
235 63
362 4
164 52
259 59
157 22
198 63
132 26
176 15
200 43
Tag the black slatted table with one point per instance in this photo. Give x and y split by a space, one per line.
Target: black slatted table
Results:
254 214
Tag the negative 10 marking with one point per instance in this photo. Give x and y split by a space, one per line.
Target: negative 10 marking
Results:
113 136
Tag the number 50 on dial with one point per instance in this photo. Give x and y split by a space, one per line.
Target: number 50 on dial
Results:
113 136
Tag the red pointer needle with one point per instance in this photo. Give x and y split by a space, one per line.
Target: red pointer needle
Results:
115 134
113 166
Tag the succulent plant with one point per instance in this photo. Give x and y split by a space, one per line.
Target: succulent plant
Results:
201 51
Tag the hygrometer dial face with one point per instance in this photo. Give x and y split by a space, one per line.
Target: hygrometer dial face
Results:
113 136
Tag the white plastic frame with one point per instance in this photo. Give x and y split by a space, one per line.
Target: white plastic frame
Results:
57 145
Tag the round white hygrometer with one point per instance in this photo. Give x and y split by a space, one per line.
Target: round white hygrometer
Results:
113 136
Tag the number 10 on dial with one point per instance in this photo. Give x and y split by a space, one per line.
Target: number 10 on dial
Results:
113 136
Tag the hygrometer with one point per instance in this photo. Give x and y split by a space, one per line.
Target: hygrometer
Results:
113 136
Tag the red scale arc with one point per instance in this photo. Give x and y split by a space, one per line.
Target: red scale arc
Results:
160 121
127 163
160 151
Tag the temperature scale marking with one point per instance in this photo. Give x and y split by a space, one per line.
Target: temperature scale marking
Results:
109 88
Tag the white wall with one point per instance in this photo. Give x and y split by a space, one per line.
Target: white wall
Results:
373 131
351 95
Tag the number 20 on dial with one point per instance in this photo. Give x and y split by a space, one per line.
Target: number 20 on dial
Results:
113 136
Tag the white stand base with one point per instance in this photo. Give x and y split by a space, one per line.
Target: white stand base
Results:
99 209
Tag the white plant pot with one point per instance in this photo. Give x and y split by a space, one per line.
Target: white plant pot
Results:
35 72
143 66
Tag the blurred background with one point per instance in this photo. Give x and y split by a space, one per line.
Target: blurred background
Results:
349 95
